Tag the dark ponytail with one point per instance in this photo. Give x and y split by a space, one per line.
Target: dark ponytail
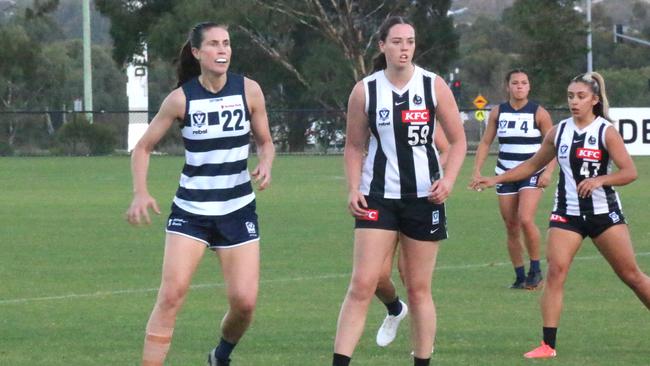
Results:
379 60
187 65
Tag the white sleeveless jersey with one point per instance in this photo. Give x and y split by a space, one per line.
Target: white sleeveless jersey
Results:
216 135
402 160
582 154
519 135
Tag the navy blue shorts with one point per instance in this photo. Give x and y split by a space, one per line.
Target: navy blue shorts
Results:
587 225
515 187
416 218
234 229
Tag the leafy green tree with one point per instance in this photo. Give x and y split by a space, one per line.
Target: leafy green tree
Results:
628 87
306 54
552 40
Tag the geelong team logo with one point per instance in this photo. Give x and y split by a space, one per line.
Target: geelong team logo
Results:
417 100
198 119
502 124
383 114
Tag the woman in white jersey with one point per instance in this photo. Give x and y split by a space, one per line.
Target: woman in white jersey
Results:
520 126
398 190
214 206
586 204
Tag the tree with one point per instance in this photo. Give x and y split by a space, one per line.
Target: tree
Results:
552 40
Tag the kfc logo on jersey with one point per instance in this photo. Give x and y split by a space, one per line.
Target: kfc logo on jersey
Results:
558 218
589 154
415 116
372 215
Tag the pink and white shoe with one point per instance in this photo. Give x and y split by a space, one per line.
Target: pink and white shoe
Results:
543 351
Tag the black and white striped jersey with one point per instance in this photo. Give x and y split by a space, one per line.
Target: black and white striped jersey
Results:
582 154
216 135
402 160
519 135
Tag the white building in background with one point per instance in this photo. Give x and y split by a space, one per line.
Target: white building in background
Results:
137 91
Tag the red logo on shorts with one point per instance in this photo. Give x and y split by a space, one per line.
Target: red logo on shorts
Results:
558 218
415 116
372 215
589 154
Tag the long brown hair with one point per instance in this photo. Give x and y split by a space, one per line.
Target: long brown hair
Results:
188 66
379 61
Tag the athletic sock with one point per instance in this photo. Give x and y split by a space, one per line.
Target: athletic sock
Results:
395 307
521 273
549 336
534 266
421 361
340 360
224 349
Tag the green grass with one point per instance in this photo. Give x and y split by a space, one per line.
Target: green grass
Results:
77 283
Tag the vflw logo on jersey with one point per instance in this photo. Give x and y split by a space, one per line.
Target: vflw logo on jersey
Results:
589 154
416 116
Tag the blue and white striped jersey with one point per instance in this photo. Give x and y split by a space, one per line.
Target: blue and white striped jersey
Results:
216 136
519 135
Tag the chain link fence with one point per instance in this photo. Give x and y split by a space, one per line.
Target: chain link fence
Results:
305 131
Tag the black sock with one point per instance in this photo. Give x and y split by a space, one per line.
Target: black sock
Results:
421 361
340 360
395 307
224 349
534 266
521 273
549 336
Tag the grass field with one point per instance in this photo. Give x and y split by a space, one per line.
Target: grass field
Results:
77 283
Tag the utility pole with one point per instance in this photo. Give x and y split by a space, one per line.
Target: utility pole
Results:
590 60
88 77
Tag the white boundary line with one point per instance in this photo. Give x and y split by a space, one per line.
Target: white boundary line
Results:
278 280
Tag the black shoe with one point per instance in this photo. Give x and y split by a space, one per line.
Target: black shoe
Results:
534 280
214 361
519 284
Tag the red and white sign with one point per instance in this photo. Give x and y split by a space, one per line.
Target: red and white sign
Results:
558 218
372 215
415 116
589 154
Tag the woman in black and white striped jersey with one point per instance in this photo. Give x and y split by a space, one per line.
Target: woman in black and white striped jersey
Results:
398 190
586 203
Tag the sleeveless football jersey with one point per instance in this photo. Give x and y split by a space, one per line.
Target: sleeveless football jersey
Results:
402 160
583 154
216 136
518 134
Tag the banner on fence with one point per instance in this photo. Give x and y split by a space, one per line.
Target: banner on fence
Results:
634 126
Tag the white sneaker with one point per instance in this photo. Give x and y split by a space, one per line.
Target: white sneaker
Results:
388 330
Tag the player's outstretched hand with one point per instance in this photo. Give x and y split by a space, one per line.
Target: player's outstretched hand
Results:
262 176
138 212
